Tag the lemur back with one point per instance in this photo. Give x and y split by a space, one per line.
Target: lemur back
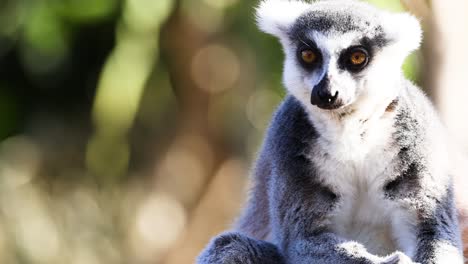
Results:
354 167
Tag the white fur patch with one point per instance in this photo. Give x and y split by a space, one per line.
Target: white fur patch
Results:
405 29
276 16
446 253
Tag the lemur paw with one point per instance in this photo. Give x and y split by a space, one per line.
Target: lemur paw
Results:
398 258
235 248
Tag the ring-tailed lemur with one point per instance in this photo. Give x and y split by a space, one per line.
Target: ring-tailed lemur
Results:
354 166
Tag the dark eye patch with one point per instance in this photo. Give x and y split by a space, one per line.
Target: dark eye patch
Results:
355 58
370 45
308 46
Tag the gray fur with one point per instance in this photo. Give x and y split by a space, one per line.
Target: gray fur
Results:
291 216
331 21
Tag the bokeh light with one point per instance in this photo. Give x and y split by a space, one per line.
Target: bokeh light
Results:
215 68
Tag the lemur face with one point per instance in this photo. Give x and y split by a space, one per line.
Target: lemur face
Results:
339 52
330 68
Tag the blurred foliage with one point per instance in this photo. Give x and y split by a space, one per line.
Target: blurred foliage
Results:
127 127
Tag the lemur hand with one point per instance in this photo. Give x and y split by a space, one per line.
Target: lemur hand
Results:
398 258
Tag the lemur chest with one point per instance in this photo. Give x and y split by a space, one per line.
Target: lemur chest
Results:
363 216
357 168
362 213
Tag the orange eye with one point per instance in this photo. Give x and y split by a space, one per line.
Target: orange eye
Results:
308 56
358 58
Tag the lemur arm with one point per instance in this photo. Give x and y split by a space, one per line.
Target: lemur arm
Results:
255 218
430 198
438 235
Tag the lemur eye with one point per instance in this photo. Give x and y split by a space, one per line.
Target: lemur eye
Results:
308 56
358 57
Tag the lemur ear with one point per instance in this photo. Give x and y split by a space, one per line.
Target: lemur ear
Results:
275 17
405 30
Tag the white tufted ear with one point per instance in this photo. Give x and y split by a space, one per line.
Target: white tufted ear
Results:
405 30
276 16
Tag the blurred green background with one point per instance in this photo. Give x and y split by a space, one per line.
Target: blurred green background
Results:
127 128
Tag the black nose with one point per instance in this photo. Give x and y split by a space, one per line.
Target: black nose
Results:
326 97
323 97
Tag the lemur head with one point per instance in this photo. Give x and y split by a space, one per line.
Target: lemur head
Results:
340 53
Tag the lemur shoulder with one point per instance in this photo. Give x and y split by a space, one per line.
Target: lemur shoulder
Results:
354 167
